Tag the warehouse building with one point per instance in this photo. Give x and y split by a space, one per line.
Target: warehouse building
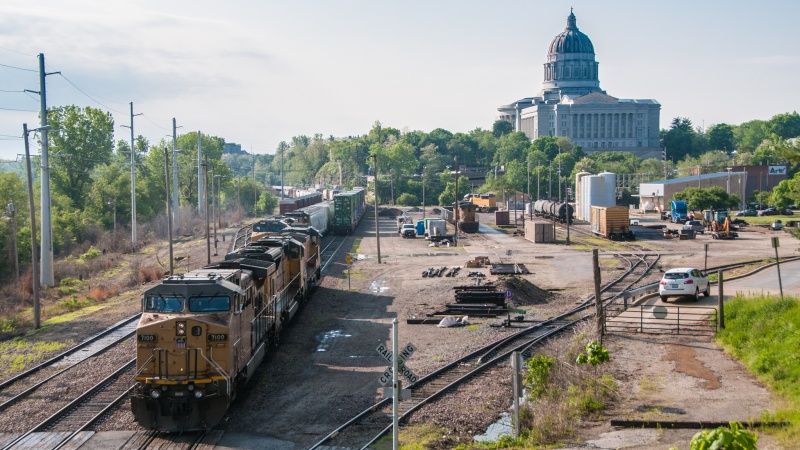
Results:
656 195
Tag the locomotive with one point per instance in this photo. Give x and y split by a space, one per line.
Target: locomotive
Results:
203 334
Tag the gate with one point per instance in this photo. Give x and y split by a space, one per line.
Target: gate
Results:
689 320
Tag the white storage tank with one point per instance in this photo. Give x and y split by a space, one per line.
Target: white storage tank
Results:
578 194
596 194
610 189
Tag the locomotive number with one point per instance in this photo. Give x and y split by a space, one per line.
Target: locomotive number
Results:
217 337
146 337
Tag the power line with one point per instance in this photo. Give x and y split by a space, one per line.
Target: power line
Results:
19 68
14 109
15 51
89 96
155 124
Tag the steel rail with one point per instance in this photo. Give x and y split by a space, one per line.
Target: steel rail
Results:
69 352
67 409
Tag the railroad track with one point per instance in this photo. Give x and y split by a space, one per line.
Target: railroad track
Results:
330 250
79 414
375 421
23 384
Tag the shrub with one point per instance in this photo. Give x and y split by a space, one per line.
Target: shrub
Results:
733 438
407 200
90 254
73 303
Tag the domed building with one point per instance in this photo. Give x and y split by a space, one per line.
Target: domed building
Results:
571 104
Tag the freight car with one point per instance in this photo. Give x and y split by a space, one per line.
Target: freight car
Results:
348 209
612 222
484 202
290 204
467 221
319 216
203 334
554 210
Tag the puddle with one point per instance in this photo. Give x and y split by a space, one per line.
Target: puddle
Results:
326 339
497 429
378 287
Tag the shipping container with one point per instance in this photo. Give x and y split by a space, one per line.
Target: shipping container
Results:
612 222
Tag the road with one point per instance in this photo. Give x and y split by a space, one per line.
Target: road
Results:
766 282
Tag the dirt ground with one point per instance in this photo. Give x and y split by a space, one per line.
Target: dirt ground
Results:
326 368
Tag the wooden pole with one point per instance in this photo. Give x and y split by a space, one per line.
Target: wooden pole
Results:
598 300
720 302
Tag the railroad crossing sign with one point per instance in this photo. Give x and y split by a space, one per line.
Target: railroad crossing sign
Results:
403 355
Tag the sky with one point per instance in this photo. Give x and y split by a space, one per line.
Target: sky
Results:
259 72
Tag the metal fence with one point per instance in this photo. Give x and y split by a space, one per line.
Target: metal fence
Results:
660 319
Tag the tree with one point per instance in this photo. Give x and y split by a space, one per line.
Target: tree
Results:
85 140
680 139
720 137
501 128
785 125
750 135
547 145
698 199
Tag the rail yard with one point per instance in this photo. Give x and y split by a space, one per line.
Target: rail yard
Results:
310 389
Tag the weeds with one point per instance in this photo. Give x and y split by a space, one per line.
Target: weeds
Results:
18 354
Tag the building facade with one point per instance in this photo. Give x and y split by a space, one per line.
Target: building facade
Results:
571 104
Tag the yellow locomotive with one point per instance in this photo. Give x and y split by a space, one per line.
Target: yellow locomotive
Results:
202 334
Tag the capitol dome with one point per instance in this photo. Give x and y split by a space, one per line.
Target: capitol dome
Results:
571 40
571 68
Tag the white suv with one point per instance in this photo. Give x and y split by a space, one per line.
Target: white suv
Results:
684 281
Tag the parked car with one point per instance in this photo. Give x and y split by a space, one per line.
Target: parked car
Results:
787 212
771 211
747 213
777 225
408 231
683 282
695 225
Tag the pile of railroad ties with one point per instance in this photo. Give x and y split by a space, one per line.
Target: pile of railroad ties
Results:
476 301
432 272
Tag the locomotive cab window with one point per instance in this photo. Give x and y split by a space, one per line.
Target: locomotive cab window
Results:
210 303
169 303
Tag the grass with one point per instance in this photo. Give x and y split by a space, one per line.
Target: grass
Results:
16 355
762 331
767 220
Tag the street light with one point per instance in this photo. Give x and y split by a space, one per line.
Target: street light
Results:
729 179
34 253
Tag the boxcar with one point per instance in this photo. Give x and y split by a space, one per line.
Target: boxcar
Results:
348 209
612 222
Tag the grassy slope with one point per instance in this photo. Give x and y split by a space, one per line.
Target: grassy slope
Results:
764 332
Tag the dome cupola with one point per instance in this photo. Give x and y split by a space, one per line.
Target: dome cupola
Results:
571 40
571 68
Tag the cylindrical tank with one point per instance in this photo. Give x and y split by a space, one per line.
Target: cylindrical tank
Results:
578 192
609 189
595 194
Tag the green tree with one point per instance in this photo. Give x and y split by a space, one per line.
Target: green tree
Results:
547 145
84 141
785 125
749 135
501 128
698 199
680 139
720 137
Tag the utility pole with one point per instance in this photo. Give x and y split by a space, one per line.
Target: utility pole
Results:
423 192
202 207
48 278
255 187
175 201
205 198
169 212
12 211
377 228
282 148
34 253
133 178
456 205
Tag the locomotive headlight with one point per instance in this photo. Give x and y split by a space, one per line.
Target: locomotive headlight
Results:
190 387
155 393
180 328
198 394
